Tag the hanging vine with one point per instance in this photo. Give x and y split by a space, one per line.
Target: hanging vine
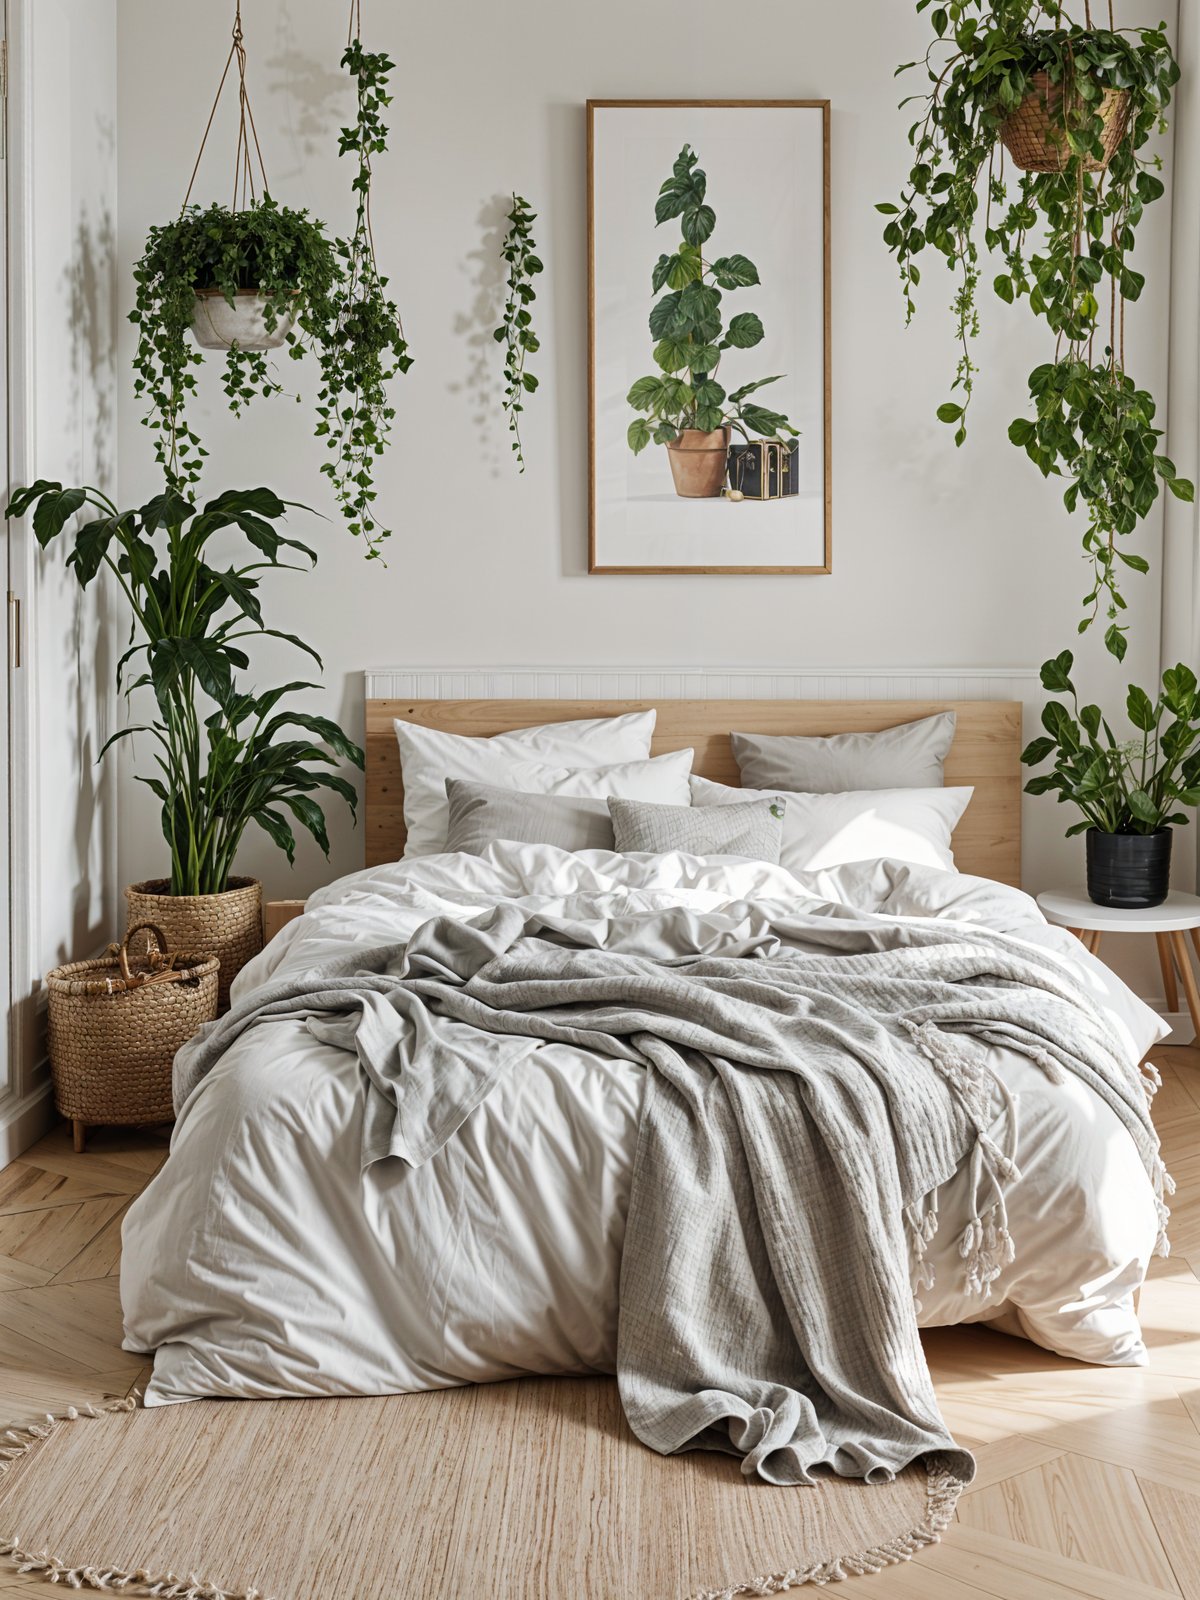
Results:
516 333
364 346
1063 232
316 295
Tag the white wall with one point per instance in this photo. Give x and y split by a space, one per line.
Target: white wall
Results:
940 558
63 268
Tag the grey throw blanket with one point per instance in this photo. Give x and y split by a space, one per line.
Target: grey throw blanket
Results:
813 1077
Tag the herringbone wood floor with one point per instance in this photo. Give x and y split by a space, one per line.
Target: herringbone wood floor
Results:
1089 1479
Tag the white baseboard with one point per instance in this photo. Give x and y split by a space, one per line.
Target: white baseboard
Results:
25 1120
1182 1030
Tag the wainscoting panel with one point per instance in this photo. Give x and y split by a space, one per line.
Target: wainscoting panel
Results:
700 683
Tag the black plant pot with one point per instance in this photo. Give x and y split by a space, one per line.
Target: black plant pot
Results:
1129 870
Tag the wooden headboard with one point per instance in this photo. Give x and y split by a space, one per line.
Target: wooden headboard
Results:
985 753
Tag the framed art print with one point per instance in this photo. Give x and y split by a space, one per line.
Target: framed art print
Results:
708 354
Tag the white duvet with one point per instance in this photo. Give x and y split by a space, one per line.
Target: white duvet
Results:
261 1261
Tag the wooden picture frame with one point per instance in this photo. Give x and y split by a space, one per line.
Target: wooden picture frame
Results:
816 537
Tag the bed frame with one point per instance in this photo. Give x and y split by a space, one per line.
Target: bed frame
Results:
986 754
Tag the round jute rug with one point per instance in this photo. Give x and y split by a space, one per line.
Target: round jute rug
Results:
522 1489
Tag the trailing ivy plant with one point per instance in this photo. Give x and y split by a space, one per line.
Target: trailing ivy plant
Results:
364 347
1062 239
280 254
691 335
226 756
516 333
327 292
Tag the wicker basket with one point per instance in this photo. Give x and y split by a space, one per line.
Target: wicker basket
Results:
114 1028
227 925
1033 133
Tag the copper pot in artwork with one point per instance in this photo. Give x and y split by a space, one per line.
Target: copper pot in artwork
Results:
698 462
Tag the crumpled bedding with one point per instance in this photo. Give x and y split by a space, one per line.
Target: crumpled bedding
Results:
263 1260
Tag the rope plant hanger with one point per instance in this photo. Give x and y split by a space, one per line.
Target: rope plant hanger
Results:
254 276
243 166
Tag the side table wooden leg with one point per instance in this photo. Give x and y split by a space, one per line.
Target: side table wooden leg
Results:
79 1135
1187 977
1167 962
1094 947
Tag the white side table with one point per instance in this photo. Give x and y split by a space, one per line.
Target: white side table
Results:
1179 914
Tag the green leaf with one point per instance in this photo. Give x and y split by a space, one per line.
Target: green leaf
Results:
1143 807
1037 750
638 435
665 314
1140 710
1056 674
1003 286
23 498
684 267
949 412
698 224
734 272
744 331
645 393
672 354
749 388
53 511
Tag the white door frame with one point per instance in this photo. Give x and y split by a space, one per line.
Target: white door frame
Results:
25 1099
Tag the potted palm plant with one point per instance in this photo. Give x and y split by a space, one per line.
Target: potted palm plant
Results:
1074 107
683 406
225 756
1129 790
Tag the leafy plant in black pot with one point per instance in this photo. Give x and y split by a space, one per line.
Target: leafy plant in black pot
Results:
1129 790
1018 84
683 406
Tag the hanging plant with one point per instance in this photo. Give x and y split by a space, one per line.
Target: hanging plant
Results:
516 333
255 276
364 345
1073 107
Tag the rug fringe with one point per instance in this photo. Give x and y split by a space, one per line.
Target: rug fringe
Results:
942 1489
17 1442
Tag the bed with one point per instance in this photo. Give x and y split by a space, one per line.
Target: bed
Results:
265 1260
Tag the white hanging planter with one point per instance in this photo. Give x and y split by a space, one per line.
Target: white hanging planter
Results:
217 325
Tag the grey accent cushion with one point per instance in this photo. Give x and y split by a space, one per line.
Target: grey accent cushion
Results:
753 828
911 756
480 813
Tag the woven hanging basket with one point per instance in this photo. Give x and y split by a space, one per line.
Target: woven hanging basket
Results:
114 1027
1033 134
227 925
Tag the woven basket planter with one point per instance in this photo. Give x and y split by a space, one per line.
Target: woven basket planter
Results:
114 1027
227 925
1033 133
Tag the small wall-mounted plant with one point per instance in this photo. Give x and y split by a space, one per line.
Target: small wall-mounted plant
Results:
1072 107
255 276
516 333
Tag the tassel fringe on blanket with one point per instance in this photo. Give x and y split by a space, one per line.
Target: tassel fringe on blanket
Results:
18 1442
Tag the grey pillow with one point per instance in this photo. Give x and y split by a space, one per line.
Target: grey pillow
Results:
751 828
480 813
911 756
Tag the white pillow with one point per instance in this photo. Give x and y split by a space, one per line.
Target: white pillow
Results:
428 757
828 830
